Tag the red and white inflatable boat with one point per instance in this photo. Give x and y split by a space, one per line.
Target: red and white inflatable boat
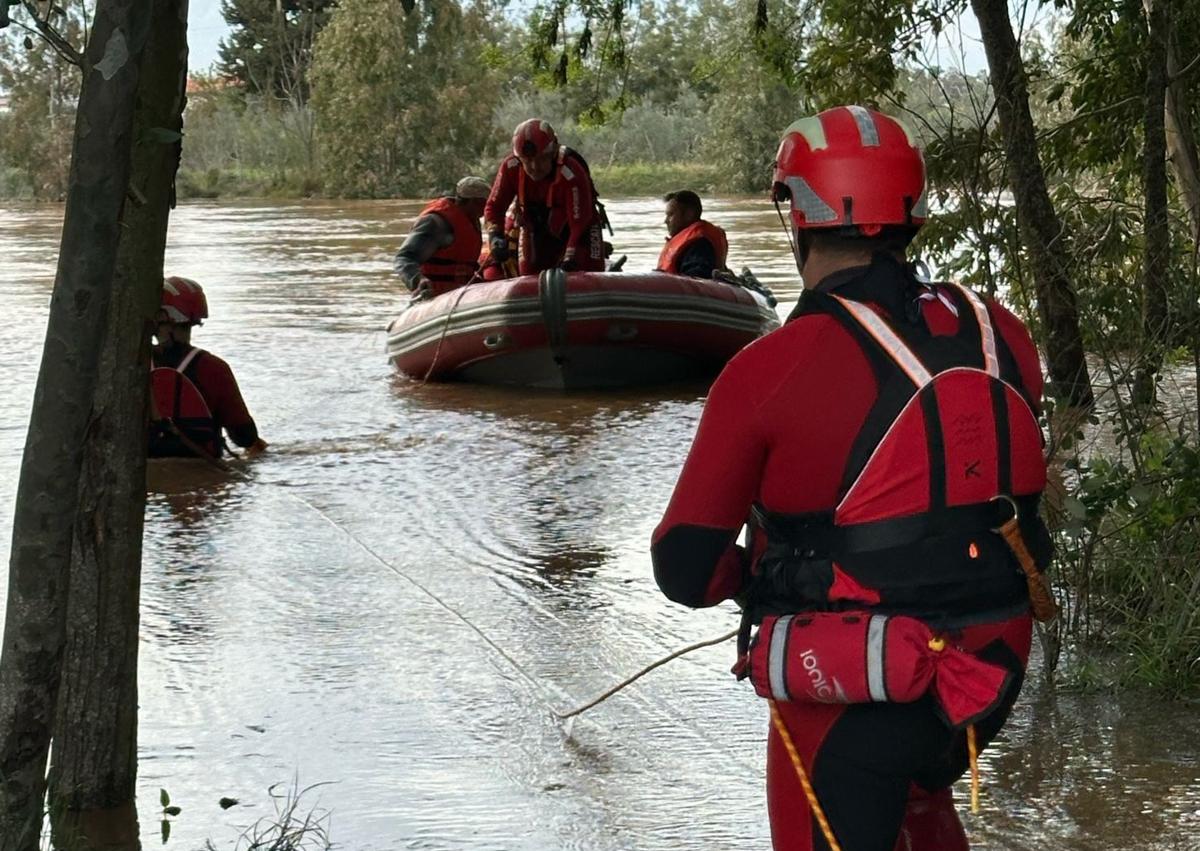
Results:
578 330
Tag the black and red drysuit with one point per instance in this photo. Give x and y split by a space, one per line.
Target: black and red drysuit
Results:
778 429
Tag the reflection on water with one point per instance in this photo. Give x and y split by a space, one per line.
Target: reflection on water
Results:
274 645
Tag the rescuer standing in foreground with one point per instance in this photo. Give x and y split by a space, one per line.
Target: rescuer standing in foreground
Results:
884 444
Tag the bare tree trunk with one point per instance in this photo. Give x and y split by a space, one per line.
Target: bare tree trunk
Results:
1156 224
1181 140
1041 230
47 494
94 763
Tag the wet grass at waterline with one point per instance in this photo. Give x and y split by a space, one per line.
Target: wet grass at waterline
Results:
1128 563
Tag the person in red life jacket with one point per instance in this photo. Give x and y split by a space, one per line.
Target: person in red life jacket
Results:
442 251
557 210
873 444
695 247
193 389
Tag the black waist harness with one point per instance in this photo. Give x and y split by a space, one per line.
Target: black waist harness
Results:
946 567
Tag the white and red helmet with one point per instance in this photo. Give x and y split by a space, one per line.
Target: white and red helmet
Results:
534 137
183 301
851 167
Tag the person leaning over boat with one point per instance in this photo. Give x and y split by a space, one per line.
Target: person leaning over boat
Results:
845 435
194 396
557 209
695 247
441 252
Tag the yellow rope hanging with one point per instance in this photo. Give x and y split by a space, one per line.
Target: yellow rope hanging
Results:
973 753
811 795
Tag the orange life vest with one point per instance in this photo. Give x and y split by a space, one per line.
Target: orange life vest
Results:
668 260
453 265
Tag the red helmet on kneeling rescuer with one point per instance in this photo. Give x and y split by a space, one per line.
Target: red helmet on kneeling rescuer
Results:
183 301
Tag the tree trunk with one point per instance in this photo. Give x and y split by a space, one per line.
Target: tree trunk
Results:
1156 224
1041 230
1181 140
47 493
94 763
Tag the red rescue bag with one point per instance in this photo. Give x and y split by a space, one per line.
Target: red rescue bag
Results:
860 657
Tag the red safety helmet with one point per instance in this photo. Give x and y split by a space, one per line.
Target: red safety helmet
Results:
183 301
534 137
851 166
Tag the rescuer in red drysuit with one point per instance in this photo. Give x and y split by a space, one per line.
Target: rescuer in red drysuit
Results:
864 503
695 247
192 388
556 206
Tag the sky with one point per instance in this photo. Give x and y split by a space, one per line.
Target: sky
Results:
205 28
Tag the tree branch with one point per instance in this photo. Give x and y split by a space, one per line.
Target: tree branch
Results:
52 36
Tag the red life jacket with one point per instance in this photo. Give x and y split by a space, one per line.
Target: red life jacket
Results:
176 396
950 448
551 213
454 265
675 247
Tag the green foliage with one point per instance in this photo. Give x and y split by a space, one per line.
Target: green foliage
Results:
1129 550
269 47
238 144
401 101
656 178
36 132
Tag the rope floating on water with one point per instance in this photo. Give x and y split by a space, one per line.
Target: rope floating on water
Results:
516 666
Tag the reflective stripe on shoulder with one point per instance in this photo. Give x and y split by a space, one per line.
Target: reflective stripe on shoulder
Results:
777 663
186 362
876 680
986 332
875 325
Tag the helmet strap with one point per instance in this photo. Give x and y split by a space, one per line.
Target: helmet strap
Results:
792 241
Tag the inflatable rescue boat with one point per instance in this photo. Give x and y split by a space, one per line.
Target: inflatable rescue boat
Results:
579 330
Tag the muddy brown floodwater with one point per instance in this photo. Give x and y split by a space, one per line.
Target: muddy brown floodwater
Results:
276 648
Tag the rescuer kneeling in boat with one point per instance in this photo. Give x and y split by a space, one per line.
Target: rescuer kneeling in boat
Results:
194 395
557 210
695 247
442 251
884 445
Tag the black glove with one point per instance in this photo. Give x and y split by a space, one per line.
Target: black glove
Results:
498 247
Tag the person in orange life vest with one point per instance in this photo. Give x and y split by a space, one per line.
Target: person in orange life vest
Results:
810 432
442 251
556 208
193 388
695 247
